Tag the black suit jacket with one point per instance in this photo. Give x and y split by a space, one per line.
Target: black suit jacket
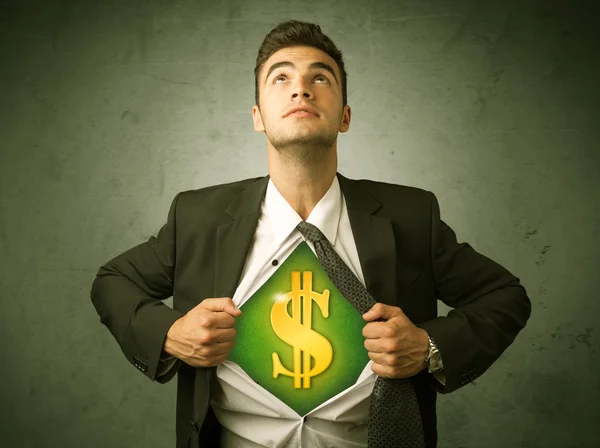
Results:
409 257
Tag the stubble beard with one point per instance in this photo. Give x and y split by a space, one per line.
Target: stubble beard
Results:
304 151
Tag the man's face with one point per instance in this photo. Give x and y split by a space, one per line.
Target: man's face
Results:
307 77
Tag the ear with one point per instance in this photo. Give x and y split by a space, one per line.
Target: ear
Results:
258 124
345 123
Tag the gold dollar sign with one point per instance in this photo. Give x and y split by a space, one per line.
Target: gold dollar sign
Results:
296 330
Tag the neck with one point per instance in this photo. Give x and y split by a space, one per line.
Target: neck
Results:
302 185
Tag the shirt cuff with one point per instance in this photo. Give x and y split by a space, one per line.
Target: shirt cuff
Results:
165 363
440 376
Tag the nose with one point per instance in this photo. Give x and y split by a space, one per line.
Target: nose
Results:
301 88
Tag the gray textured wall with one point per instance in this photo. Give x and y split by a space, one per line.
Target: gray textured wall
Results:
108 109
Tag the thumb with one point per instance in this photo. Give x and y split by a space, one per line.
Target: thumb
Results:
221 304
380 311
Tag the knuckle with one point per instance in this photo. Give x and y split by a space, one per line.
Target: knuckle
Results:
389 347
389 332
204 351
205 338
205 321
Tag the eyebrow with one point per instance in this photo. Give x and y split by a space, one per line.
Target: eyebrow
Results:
313 66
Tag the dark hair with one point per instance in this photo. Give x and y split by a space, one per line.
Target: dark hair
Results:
294 34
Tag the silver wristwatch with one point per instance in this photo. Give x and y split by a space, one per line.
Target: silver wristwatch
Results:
434 358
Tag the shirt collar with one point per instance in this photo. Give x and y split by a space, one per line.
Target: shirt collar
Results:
283 219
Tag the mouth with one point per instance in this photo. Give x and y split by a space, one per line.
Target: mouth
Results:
303 111
302 114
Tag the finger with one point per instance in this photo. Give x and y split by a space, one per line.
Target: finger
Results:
210 361
222 304
377 330
376 346
382 371
214 320
215 350
381 311
217 336
385 360
219 359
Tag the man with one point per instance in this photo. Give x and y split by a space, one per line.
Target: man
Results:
221 243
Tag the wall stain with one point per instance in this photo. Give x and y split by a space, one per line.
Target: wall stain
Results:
541 292
134 117
543 289
557 334
542 255
584 338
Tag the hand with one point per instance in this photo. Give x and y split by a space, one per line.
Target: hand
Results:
204 336
397 347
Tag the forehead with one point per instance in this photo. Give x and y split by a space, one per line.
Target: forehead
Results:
301 57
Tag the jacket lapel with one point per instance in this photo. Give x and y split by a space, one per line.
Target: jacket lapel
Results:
233 238
374 239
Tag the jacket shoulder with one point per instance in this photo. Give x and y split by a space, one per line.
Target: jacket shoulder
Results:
387 190
235 186
405 204
217 195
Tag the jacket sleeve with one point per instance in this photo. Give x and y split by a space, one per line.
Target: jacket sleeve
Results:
128 294
490 307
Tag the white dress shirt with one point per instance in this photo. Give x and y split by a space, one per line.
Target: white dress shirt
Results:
250 415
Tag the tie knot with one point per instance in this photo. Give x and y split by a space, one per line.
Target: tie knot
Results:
310 232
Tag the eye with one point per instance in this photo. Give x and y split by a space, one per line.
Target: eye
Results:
316 77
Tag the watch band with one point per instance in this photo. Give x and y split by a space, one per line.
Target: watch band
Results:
434 358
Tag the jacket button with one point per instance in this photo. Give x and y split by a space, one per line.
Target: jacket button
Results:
194 425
